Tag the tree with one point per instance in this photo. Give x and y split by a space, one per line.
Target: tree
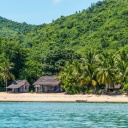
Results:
106 73
57 58
90 64
122 65
5 74
32 71
70 76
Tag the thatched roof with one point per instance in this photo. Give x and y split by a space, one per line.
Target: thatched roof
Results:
116 86
18 84
47 80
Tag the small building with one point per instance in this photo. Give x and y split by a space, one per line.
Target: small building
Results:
19 86
47 84
115 87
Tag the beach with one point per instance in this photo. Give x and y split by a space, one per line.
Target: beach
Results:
60 97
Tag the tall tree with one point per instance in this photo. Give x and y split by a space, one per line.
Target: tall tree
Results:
91 62
122 65
5 68
106 72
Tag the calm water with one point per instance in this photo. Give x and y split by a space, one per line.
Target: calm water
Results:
63 115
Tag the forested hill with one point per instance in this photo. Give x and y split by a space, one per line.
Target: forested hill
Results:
9 29
43 49
104 25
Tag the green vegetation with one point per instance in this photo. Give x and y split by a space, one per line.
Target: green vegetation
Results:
94 71
125 89
12 29
45 49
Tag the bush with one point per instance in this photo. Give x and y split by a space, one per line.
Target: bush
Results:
2 89
31 91
125 88
90 91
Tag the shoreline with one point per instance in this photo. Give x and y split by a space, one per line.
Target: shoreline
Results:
61 97
120 102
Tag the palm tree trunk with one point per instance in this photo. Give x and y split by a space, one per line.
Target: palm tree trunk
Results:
113 87
94 90
88 87
107 87
6 83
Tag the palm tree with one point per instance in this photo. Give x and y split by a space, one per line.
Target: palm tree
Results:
124 56
5 74
123 71
1 72
91 62
122 64
89 76
66 77
106 72
70 76
91 57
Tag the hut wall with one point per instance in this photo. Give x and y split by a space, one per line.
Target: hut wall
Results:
39 88
36 89
24 88
47 88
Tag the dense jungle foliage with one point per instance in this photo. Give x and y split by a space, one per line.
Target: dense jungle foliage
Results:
29 51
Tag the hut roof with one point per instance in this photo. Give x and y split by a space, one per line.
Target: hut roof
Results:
47 80
18 84
116 86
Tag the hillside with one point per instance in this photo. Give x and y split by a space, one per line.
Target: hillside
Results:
9 29
104 25
41 50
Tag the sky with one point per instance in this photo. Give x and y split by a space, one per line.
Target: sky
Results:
41 11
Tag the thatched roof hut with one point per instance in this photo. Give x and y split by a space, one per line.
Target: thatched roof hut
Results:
19 86
47 84
47 80
114 87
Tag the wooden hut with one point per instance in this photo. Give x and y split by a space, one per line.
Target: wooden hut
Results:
115 87
47 84
19 86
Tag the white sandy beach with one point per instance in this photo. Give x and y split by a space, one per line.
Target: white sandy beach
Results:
59 97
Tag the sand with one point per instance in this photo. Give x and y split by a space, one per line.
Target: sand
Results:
60 97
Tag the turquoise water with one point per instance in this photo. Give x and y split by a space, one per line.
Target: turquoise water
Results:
63 115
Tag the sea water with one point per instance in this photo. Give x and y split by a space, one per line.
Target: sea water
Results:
63 115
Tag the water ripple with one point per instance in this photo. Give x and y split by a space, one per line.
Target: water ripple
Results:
63 115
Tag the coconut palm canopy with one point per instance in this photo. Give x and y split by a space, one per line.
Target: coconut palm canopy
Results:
47 80
18 84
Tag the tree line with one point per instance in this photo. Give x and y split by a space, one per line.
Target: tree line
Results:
34 51
78 73
94 71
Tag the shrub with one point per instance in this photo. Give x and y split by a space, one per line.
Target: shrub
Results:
125 88
31 91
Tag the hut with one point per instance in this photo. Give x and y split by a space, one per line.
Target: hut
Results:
19 86
115 87
47 84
